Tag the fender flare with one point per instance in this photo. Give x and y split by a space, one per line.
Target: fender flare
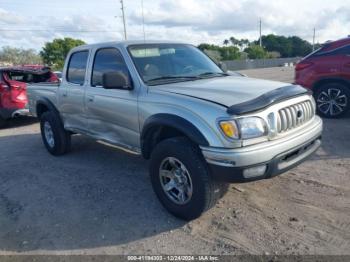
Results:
168 120
46 102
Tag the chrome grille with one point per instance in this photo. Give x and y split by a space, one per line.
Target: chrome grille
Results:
294 116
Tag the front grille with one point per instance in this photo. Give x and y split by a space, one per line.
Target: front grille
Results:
295 115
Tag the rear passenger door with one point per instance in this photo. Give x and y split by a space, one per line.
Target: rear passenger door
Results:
112 113
72 92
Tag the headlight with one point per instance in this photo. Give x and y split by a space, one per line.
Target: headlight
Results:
252 127
244 128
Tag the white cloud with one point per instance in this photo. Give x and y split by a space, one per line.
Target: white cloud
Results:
193 21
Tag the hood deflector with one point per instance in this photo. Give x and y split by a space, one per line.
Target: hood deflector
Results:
267 99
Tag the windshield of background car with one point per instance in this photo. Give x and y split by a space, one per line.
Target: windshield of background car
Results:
164 63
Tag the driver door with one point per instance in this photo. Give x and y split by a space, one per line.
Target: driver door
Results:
112 113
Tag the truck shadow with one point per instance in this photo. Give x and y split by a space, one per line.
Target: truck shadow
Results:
19 121
92 197
335 139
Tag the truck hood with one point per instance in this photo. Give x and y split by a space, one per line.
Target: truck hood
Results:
227 91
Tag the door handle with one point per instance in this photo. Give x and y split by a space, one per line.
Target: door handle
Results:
90 98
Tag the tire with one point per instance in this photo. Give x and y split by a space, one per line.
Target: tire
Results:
332 100
167 158
56 139
2 122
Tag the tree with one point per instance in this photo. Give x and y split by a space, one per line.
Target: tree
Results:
234 41
226 42
256 52
287 46
19 56
55 52
226 52
300 47
229 53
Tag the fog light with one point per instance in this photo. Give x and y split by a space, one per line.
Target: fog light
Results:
254 171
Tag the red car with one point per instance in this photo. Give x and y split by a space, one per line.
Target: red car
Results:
327 72
13 85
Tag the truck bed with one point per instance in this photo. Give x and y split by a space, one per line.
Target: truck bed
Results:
39 91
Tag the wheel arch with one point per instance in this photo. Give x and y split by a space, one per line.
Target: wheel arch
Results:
324 81
161 126
43 105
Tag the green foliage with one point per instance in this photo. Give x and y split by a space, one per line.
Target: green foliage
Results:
55 52
226 52
287 46
214 55
274 54
256 52
274 46
19 56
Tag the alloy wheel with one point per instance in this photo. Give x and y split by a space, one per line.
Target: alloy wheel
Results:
332 102
49 134
175 181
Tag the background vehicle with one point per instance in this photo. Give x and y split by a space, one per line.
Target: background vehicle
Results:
199 126
13 82
327 72
58 74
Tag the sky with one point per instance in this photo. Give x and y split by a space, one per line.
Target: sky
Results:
31 23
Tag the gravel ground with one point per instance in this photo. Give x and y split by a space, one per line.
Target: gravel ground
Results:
283 74
98 200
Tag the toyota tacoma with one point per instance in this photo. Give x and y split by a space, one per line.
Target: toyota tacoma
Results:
201 128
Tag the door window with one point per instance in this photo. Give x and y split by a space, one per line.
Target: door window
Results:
77 67
107 60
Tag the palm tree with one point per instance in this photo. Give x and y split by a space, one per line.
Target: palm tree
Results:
226 42
234 41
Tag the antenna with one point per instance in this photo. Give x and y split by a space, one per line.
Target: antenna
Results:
143 22
122 4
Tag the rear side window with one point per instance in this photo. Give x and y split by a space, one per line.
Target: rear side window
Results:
77 67
30 77
107 60
345 50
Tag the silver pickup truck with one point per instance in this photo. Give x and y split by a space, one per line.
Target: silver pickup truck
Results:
200 127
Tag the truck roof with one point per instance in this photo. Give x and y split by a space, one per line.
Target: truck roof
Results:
125 43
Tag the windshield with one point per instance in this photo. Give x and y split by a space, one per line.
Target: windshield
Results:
164 63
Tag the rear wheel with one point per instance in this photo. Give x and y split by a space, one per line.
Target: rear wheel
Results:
181 179
332 100
56 139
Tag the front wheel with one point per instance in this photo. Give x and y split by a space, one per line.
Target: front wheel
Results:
56 139
181 179
332 100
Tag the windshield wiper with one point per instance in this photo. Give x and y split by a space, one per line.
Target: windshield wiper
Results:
171 77
187 78
212 74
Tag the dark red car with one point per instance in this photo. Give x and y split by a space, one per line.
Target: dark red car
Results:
327 72
13 85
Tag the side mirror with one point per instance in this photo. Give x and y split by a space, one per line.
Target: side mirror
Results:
223 66
116 80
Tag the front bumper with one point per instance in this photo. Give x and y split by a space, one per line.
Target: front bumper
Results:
277 156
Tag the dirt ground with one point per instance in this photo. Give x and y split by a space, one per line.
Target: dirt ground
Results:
98 200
